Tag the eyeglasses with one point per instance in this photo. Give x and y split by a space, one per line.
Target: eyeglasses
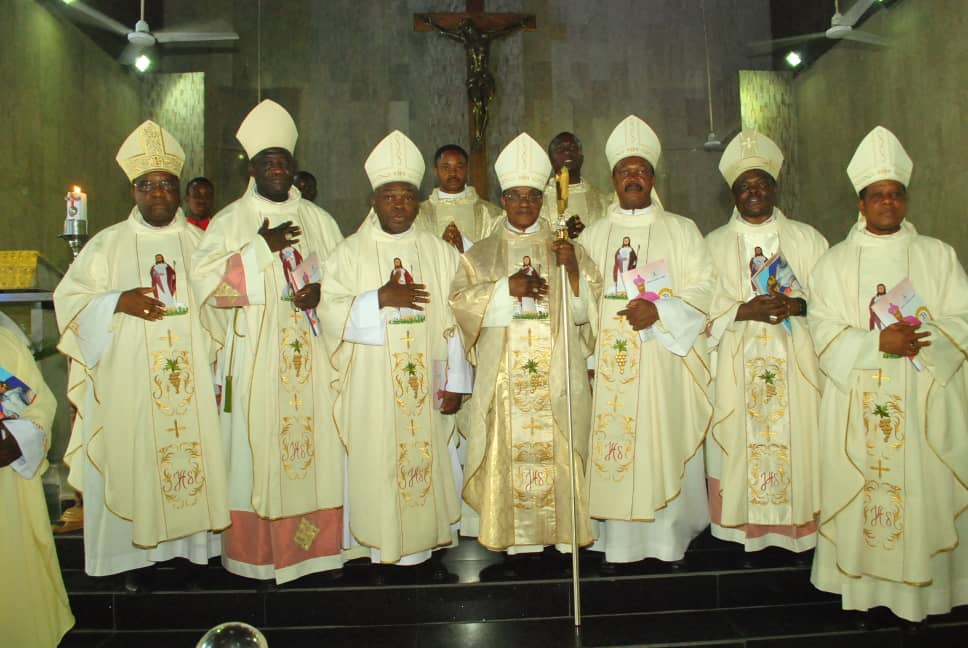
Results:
531 196
147 186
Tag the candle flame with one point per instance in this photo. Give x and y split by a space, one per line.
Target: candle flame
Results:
76 189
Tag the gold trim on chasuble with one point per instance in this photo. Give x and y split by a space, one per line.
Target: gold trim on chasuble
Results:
172 376
884 467
297 446
769 478
533 473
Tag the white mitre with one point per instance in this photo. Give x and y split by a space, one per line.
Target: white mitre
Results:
150 148
268 125
395 159
632 138
879 156
523 163
750 150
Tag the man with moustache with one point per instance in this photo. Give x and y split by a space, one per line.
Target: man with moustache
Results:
586 205
395 350
518 460
894 444
145 449
286 463
454 211
761 452
651 411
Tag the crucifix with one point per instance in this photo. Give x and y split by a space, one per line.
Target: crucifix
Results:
475 30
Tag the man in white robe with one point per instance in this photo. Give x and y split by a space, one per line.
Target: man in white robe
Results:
34 610
519 467
145 449
761 452
586 204
401 371
454 211
286 462
646 476
894 411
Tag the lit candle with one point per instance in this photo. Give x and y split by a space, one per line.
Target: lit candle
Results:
76 221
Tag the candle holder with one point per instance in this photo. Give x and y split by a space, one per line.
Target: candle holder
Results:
75 225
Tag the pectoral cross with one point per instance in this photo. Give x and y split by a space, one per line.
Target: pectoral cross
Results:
408 339
170 338
615 403
176 429
413 427
880 377
880 469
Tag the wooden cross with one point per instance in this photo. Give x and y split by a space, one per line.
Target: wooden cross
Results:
476 35
880 469
170 338
176 429
413 427
880 377
408 339
615 403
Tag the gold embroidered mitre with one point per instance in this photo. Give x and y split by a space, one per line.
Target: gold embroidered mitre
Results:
879 156
150 148
395 159
523 163
750 150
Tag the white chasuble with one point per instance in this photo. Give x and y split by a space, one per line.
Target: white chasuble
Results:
286 462
762 450
894 450
147 419
518 465
651 410
401 488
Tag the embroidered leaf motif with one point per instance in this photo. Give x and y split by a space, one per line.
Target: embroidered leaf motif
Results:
531 366
296 346
621 345
767 376
411 368
881 410
171 364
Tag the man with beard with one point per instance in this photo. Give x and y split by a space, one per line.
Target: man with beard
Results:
145 449
389 331
286 463
894 444
586 205
651 411
454 210
518 460
762 448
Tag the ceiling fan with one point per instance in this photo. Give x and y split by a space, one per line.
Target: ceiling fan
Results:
141 38
841 28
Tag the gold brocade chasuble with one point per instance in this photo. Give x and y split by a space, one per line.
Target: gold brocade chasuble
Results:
650 410
402 494
518 466
765 423
474 216
280 405
151 428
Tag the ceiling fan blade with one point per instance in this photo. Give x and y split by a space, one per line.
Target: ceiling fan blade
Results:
852 15
866 37
167 36
94 17
767 46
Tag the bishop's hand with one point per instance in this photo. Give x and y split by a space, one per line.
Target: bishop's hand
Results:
9 450
306 297
137 303
281 236
393 294
575 226
641 314
770 309
903 339
451 402
453 236
522 284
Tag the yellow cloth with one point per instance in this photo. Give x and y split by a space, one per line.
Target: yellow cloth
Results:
894 450
402 496
674 411
767 434
474 216
285 457
34 610
485 418
584 201
146 413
